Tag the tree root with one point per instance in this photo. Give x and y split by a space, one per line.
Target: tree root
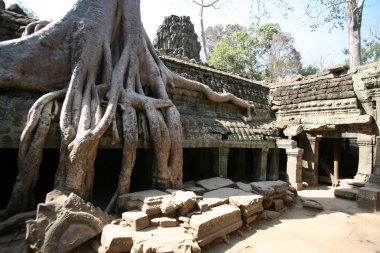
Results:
113 63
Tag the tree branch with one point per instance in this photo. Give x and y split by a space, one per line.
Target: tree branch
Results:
207 5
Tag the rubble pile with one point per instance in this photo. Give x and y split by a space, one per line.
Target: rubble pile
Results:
186 220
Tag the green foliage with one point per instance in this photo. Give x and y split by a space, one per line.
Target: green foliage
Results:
326 12
308 70
370 51
260 52
214 34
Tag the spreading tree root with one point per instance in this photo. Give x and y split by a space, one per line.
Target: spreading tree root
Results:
113 62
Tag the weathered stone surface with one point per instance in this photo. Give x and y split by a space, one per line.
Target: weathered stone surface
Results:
313 204
346 193
217 222
177 36
250 219
203 205
215 183
219 197
278 205
248 203
196 190
288 200
116 238
169 206
147 201
244 187
270 215
268 188
293 130
369 198
163 240
186 199
63 223
164 222
137 220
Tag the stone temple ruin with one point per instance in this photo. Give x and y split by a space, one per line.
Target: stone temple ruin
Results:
315 129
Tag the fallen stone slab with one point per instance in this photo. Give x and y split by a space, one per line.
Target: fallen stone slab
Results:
169 205
216 223
219 197
244 187
346 193
250 219
202 205
116 238
196 189
164 222
313 204
268 188
137 220
249 203
215 183
288 200
147 201
165 240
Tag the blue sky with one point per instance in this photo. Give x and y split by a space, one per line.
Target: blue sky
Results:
320 47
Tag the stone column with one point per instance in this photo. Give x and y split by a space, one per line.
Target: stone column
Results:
294 167
365 144
220 161
274 168
375 176
263 164
314 158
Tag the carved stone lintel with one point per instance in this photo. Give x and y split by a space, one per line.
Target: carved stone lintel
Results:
63 223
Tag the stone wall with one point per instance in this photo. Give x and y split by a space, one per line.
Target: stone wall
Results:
177 36
12 23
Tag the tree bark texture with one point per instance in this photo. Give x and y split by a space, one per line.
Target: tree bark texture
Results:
98 54
354 13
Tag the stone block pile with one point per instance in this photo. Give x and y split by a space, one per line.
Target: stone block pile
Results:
186 220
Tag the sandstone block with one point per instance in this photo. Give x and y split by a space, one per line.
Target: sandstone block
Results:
147 201
250 219
169 206
278 205
197 190
313 204
215 183
164 222
288 200
270 215
202 205
116 238
186 199
216 223
346 193
137 220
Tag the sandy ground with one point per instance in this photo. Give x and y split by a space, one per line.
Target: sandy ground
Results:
341 227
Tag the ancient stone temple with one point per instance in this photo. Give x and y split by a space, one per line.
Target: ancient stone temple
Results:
236 167
177 36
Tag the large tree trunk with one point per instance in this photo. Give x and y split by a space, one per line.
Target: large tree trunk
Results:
99 53
354 13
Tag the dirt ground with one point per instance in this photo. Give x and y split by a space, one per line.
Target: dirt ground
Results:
341 227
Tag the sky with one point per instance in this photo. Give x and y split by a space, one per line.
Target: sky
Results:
322 47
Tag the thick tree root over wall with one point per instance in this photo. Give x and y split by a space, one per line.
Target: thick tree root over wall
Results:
99 53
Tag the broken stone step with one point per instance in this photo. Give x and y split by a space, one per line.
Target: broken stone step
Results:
215 183
346 193
278 205
244 187
137 220
216 223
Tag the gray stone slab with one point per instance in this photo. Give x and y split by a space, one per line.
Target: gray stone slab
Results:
220 196
217 222
244 187
269 188
346 193
215 183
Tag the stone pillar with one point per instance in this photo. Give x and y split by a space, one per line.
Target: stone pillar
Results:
365 144
263 164
220 161
314 158
375 176
294 167
274 168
